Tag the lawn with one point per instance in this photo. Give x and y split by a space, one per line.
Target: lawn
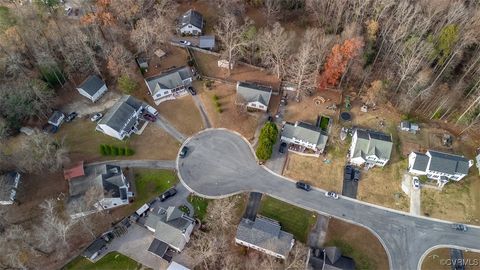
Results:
357 243
437 259
182 114
294 220
113 260
199 205
151 183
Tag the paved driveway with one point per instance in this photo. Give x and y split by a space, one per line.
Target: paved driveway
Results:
203 111
165 125
221 163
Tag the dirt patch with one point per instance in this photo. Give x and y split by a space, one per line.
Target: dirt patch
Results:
307 110
358 243
230 117
85 108
182 114
174 57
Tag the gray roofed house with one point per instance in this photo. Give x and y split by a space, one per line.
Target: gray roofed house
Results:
207 42
9 183
409 126
92 88
169 84
170 226
191 23
123 118
264 235
370 147
305 135
158 247
95 249
253 95
439 166
56 119
330 258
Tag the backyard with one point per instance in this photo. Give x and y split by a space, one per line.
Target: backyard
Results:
199 205
182 114
113 260
294 220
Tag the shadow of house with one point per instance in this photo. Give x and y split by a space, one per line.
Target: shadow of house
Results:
330 258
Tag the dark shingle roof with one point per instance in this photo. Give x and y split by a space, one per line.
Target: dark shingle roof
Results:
168 80
8 186
158 247
448 163
92 84
372 143
119 117
192 17
421 162
305 132
252 92
55 118
97 245
207 42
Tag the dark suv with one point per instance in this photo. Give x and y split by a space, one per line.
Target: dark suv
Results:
167 194
356 175
304 186
347 173
184 152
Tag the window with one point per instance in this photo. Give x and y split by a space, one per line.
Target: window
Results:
189 26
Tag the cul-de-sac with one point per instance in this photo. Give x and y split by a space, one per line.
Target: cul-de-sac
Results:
240 134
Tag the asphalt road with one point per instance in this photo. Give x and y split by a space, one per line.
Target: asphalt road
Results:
221 163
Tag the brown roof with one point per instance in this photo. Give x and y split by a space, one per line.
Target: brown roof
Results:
75 171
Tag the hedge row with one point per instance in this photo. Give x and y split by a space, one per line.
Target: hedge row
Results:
111 150
218 105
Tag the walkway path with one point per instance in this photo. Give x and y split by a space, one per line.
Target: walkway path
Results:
165 125
202 110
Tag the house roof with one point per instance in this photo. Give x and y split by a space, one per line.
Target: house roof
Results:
8 186
252 92
168 80
176 266
120 116
478 161
75 171
158 247
372 143
305 132
192 17
92 84
97 245
447 163
106 177
333 260
265 233
421 162
207 42
56 117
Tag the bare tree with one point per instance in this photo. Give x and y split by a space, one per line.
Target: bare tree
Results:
271 9
275 45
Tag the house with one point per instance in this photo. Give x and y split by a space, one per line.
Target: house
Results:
439 166
409 127
253 95
171 228
177 266
330 258
304 135
106 182
8 187
56 119
371 148
169 85
95 249
142 62
92 88
125 118
207 42
191 23
478 162
265 235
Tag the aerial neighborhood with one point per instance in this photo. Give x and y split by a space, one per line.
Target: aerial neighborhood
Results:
293 134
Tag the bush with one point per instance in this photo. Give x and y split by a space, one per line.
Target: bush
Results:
219 110
267 138
108 150
209 84
215 98
103 150
121 151
129 151
114 151
264 149
126 84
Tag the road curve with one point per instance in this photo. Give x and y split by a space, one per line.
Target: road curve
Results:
221 163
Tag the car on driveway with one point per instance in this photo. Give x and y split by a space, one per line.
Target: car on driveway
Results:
416 183
167 194
149 117
302 185
183 152
356 175
282 147
184 42
347 172
192 91
70 117
96 117
459 227
331 194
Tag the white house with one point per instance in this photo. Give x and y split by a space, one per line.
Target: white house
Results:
264 235
56 119
92 88
254 96
191 23
125 118
171 227
9 183
169 85
409 127
439 166
304 135
371 148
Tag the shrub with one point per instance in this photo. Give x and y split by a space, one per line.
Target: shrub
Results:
108 150
129 151
127 84
103 150
114 151
267 138
219 110
208 84
264 149
121 151
215 98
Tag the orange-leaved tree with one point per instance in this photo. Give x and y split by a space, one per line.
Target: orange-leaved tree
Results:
337 62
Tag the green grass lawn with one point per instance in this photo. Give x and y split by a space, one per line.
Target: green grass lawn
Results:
324 123
151 183
113 260
362 262
294 220
199 205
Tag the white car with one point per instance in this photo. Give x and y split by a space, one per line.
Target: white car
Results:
184 42
331 194
96 117
416 183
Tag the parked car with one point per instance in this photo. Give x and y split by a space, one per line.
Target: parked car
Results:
356 175
96 117
302 185
459 227
70 117
183 152
347 172
167 194
331 194
184 42
282 147
192 91
149 117
270 118
416 183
